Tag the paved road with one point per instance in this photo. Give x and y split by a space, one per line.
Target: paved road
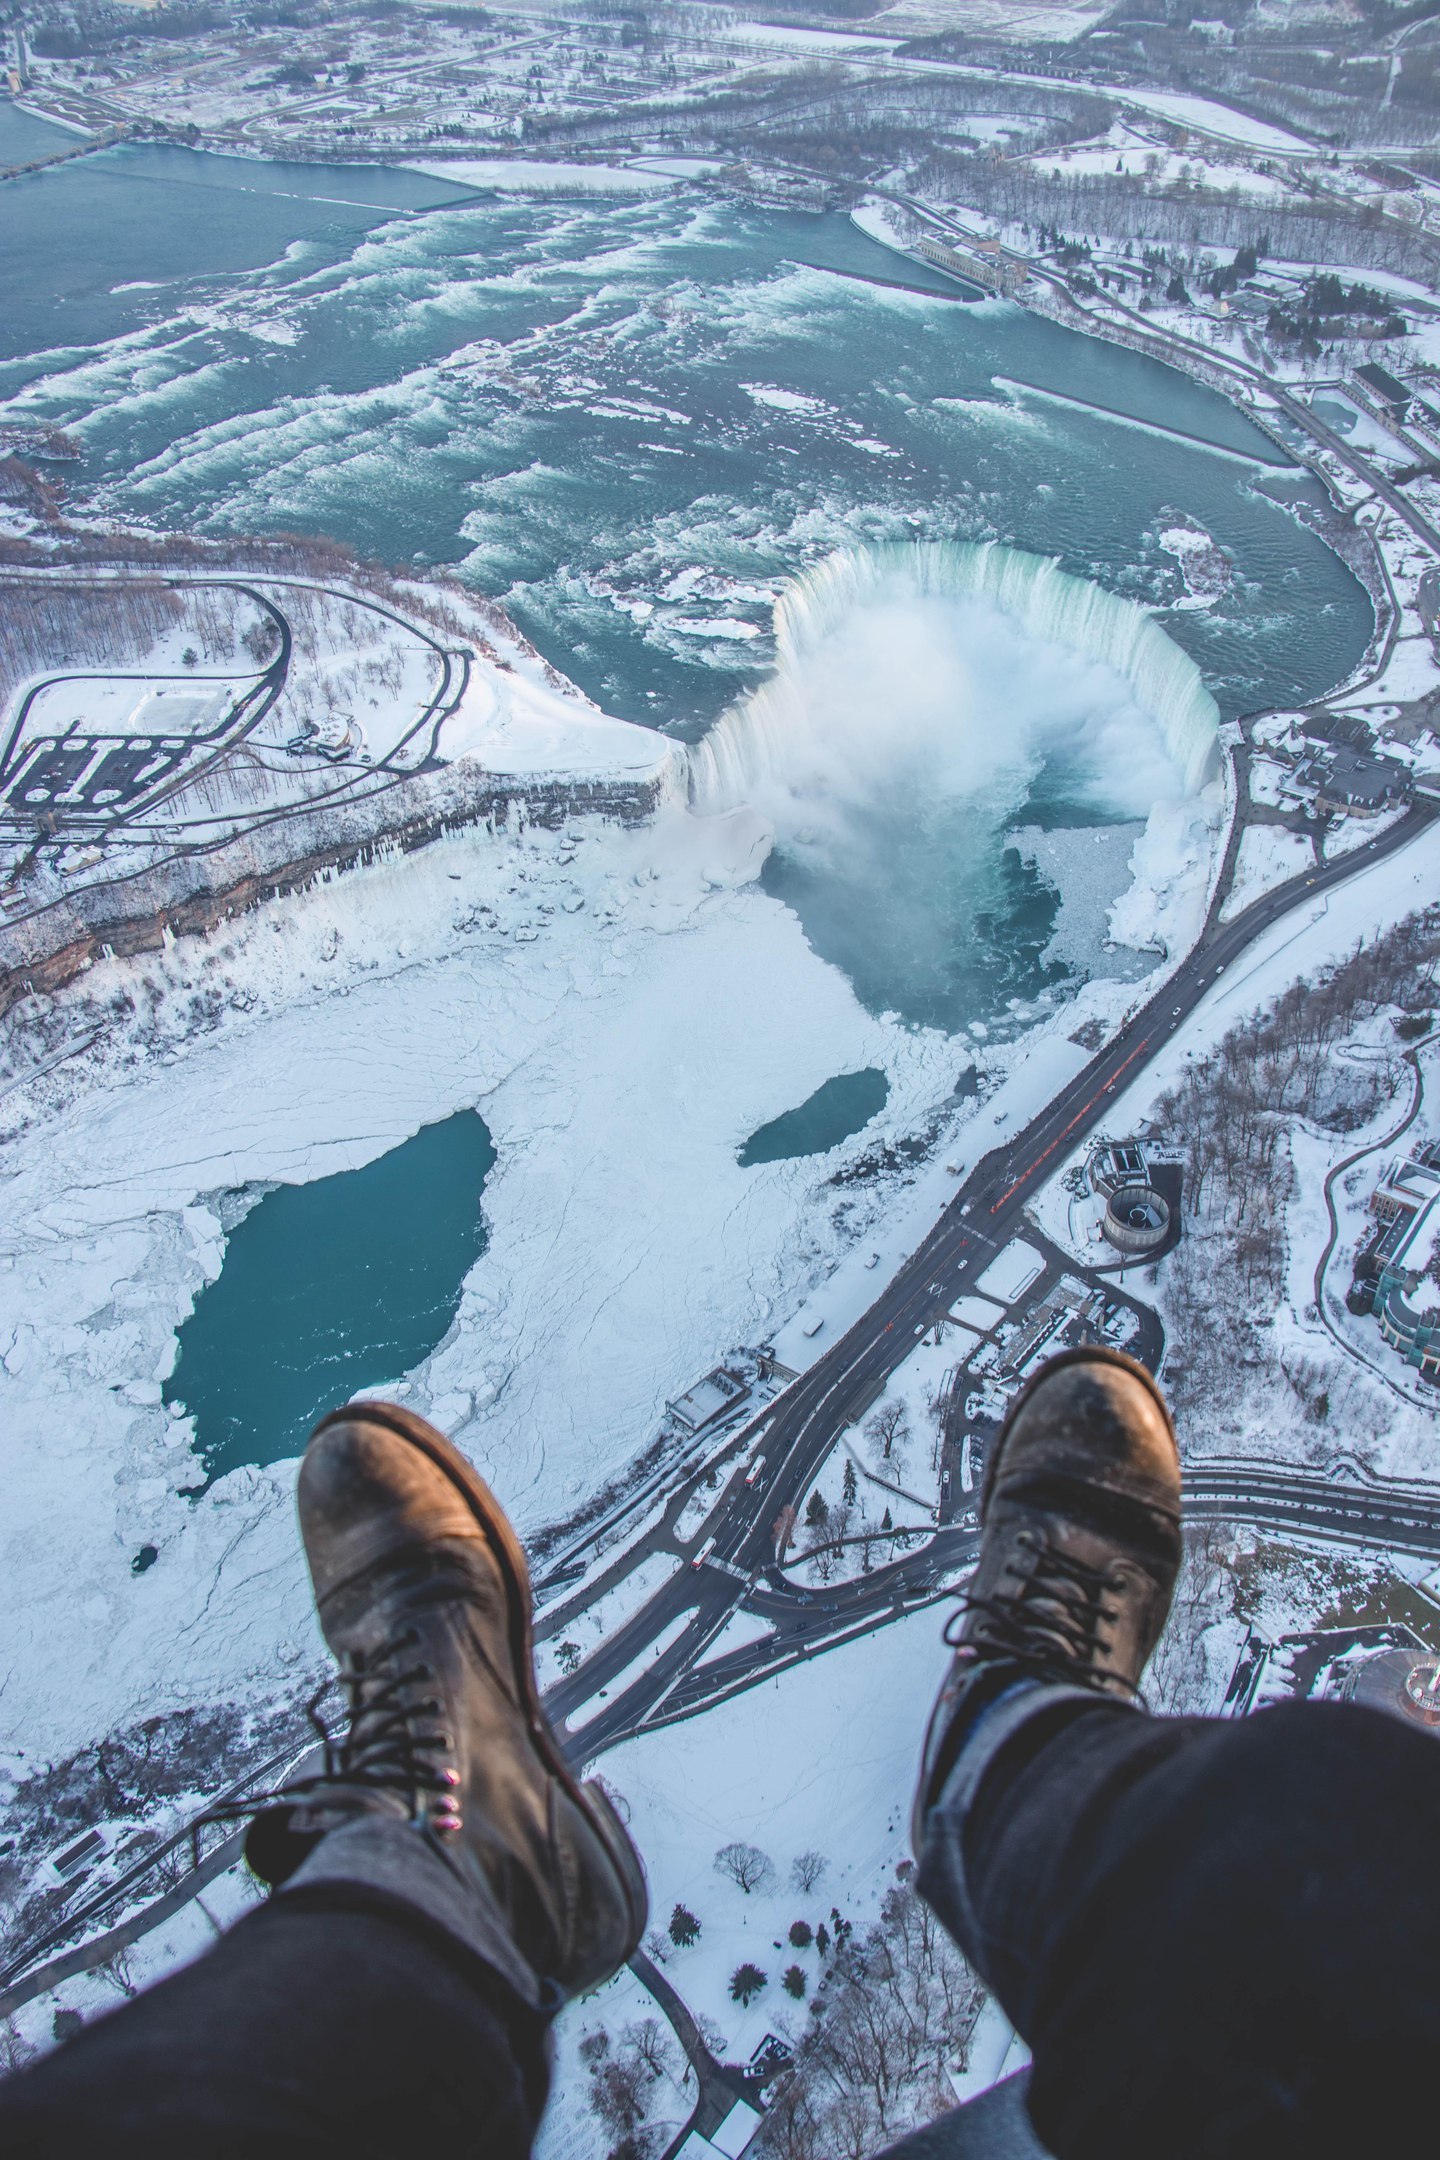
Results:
249 706
800 1427
807 1623
413 752
804 1423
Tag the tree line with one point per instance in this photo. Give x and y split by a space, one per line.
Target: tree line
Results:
1126 206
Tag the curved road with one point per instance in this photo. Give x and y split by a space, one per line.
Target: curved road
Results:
802 1425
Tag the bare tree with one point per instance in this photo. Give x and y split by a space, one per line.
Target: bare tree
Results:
895 2013
648 2043
746 1866
622 2082
806 1870
887 1430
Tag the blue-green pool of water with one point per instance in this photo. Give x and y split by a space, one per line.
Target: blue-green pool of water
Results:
340 1284
837 1109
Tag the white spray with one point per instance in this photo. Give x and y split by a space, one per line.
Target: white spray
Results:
955 667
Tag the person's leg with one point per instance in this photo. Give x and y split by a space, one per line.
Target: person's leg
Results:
1218 1937
1212 1934
313 2028
443 1886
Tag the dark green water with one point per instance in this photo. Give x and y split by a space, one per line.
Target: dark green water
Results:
341 1284
835 1111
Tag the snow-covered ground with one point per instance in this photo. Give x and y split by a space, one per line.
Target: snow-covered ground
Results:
792 37
585 994
1269 855
624 1007
545 176
1222 122
820 1758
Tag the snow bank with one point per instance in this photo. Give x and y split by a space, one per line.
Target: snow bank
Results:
517 725
1269 855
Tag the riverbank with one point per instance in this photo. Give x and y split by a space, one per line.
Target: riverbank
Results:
364 735
1389 542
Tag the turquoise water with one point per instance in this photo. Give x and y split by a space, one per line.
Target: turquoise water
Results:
840 1107
635 421
341 1284
23 136
591 409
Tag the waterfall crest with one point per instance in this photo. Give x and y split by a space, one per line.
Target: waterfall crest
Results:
748 745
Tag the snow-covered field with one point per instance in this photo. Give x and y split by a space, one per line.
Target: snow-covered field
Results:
624 1012
821 1758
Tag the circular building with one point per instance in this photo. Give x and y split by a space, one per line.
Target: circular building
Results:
1406 1683
1136 1219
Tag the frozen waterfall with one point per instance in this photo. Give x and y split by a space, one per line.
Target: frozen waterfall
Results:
754 742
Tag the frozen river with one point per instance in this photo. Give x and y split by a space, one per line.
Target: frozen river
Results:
642 421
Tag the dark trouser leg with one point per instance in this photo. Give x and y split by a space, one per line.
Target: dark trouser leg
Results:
1219 1939
325 2024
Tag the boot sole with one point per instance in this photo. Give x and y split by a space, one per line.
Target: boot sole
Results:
592 1801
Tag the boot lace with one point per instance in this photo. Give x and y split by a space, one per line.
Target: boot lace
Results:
385 1744
1055 1622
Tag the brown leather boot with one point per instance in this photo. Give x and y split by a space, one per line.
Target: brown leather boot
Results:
1079 1550
424 1597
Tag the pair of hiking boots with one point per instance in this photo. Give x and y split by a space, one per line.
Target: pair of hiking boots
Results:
424 1598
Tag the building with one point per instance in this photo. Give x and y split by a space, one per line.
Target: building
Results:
1406 1186
1382 388
1336 780
711 1399
1113 1163
1065 1317
1137 1220
984 264
1398 1273
1383 1667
